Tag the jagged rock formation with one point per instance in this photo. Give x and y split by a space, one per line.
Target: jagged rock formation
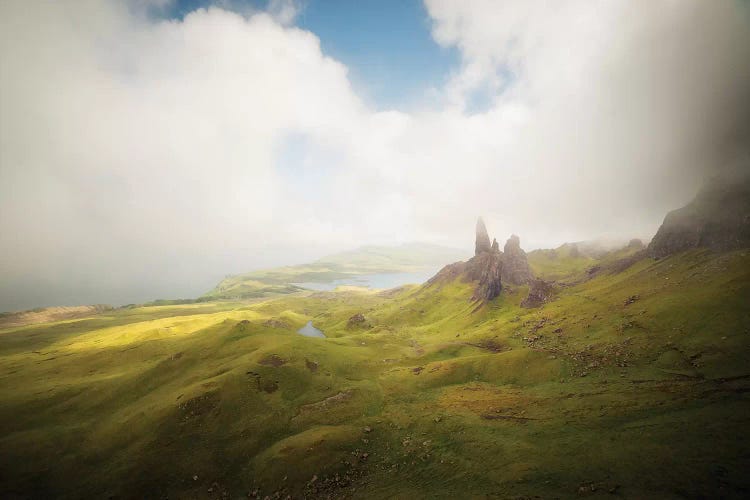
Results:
489 267
718 219
539 293
482 243
486 268
516 268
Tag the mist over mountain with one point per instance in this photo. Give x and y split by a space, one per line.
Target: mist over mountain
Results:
150 147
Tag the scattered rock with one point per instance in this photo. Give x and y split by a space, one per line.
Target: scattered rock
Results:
199 405
357 319
631 299
272 360
276 323
337 398
311 365
489 345
540 292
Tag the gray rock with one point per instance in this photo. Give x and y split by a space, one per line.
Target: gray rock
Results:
482 243
540 292
717 219
516 268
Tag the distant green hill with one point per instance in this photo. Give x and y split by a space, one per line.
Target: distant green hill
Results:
409 257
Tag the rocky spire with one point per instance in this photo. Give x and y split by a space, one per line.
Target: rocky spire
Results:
516 268
484 269
483 240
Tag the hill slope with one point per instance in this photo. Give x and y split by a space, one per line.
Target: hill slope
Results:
591 394
718 218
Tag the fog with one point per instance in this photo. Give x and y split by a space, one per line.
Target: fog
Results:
144 158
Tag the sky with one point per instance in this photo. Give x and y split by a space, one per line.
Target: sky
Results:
150 147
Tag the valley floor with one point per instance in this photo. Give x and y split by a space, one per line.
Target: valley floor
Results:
633 384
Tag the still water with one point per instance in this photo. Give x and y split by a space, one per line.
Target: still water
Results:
310 331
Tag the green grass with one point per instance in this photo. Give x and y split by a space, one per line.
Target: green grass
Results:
585 396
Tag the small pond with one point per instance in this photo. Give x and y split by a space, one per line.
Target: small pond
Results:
310 331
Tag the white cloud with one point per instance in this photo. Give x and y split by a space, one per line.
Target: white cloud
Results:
146 153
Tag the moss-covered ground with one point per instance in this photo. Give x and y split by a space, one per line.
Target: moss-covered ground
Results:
631 385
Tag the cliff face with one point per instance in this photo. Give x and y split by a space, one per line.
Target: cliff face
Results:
516 268
717 219
486 268
489 267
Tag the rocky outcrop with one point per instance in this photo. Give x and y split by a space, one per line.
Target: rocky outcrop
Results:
489 267
482 243
516 268
486 268
717 219
356 320
539 293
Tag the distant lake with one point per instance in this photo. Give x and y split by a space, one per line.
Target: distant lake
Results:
379 281
310 331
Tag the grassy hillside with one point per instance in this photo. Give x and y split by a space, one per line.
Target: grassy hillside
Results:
631 384
576 261
364 260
